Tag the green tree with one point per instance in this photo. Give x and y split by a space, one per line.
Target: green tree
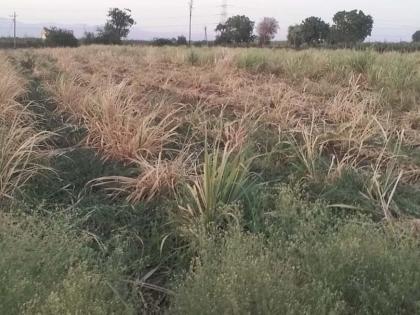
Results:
237 29
416 36
117 26
314 30
295 35
181 40
351 27
267 30
107 36
58 37
89 38
160 41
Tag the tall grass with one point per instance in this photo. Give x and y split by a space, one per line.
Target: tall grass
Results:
21 152
309 149
119 124
178 130
68 96
12 85
156 178
224 179
332 130
21 147
394 75
386 176
12 88
123 129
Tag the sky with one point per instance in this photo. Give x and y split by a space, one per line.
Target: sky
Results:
395 20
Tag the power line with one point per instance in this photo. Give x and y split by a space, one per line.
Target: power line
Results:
175 17
175 25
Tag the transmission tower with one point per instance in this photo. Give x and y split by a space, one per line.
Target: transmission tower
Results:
224 14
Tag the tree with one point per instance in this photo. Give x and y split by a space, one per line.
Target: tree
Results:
89 38
416 36
295 35
117 26
58 37
181 40
107 36
237 29
314 30
160 41
351 27
267 30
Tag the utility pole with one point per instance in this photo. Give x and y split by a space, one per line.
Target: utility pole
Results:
14 29
205 35
189 36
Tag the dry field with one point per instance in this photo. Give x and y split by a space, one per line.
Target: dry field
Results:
180 170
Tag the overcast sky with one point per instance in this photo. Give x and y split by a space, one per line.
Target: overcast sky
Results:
394 19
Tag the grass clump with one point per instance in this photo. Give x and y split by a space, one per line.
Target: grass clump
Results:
21 152
12 85
224 180
157 178
21 146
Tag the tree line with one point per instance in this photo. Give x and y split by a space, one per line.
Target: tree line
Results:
349 28
116 28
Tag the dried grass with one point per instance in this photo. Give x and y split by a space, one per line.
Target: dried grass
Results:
12 88
21 153
157 178
331 103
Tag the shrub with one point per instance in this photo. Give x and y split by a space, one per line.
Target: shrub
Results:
416 36
243 276
181 40
57 37
108 37
27 42
46 268
163 41
312 263
89 38
101 37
